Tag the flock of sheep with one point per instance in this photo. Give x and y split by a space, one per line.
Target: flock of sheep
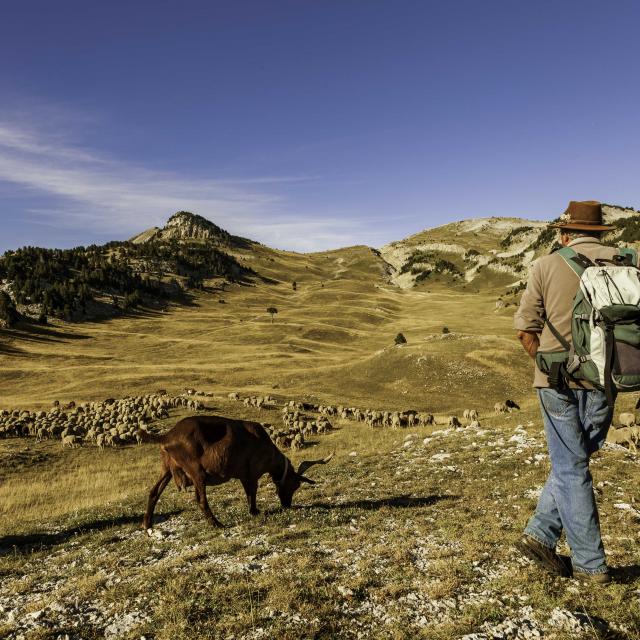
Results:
299 425
296 424
293 416
107 423
125 421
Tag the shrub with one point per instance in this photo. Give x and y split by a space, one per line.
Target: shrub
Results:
547 236
8 313
630 229
400 339
445 330
272 311
512 235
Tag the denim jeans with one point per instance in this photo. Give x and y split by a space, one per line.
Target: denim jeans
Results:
576 424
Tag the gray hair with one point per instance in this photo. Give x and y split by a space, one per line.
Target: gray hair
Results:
574 233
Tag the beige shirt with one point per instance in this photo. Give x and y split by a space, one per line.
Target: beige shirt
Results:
551 287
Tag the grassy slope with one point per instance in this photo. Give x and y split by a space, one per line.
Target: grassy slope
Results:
359 550
333 342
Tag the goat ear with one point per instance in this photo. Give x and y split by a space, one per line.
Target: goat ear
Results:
307 480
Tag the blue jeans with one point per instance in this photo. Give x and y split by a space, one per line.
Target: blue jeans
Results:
576 424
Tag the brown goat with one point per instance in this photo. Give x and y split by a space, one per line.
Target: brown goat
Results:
209 450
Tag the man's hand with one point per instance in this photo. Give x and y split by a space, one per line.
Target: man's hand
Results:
530 341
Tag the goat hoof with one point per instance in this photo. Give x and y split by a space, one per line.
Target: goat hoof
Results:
254 512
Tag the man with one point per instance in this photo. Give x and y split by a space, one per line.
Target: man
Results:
576 416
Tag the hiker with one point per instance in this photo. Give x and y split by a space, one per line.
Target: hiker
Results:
575 381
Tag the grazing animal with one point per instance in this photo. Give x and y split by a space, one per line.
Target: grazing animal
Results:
626 435
500 407
454 422
512 405
426 419
210 450
627 419
71 441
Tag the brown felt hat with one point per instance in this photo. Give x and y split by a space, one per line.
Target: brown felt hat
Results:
582 216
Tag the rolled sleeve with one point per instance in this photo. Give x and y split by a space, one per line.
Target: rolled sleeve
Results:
530 313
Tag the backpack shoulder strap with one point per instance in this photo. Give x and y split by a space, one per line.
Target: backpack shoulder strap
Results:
630 253
576 261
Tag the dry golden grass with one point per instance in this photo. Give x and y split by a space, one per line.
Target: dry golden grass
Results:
390 531
387 532
332 342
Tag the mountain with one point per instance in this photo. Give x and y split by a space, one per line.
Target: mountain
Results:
185 225
492 255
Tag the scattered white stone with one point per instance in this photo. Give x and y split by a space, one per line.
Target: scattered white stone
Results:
439 457
123 624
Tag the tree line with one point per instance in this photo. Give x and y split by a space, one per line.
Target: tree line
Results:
63 281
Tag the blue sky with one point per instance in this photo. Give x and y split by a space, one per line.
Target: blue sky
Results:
311 124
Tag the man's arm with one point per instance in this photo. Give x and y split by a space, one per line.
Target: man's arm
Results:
529 318
530 341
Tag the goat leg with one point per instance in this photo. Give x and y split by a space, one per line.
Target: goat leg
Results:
154 494
251 489
201 499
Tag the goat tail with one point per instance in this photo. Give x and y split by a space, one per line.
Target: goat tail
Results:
145 436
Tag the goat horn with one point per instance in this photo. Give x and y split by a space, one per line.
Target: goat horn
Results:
306 464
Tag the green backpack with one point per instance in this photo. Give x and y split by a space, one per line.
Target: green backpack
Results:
605 326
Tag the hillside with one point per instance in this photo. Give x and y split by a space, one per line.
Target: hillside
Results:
161 266
86 283
333 333
492 253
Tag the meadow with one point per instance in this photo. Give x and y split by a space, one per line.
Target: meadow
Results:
408 533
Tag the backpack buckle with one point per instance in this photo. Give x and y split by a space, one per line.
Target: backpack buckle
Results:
574 365
556 377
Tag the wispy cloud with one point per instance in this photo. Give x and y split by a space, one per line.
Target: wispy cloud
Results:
89 190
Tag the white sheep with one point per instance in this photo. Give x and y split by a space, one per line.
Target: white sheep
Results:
626 435
627 419
71 441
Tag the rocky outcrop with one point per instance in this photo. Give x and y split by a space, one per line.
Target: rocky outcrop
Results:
184 225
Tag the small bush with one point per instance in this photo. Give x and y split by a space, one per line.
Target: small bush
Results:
272 312
400 339
445 330
8 313
513 234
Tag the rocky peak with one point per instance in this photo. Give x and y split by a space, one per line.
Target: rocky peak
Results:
185 225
